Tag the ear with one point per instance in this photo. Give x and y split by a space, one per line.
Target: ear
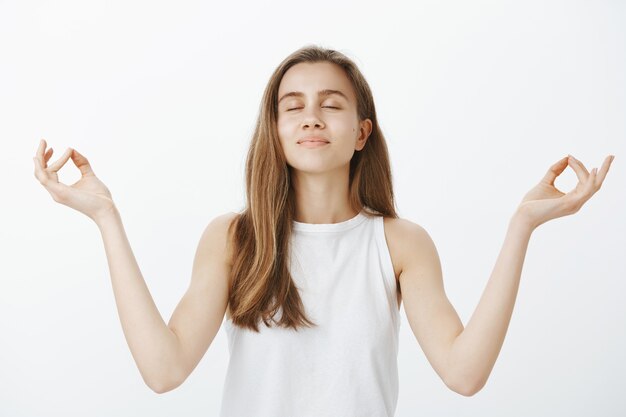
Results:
365 129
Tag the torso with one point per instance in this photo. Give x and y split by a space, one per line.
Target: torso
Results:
392 228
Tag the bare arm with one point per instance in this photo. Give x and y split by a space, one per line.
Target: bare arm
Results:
200 313
462 357
164 354
153 345
474 351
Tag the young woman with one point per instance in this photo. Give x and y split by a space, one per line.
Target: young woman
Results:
311 274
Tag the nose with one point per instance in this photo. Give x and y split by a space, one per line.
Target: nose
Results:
311 119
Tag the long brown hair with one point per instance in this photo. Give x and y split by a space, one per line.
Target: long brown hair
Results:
260 282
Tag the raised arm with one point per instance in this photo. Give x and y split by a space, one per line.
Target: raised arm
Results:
154 347
199 314
164 354
431 316
464 357
167 354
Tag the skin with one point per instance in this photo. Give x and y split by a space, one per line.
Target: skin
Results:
462 356
320 175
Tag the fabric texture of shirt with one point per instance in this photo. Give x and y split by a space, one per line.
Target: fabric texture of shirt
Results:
346 366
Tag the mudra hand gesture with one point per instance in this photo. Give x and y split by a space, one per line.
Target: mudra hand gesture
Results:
545 202
88 195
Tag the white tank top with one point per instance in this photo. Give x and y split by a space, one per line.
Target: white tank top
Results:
347 365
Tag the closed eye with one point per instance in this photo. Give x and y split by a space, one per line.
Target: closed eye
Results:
330 107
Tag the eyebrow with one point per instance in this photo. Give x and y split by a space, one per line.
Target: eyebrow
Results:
326 92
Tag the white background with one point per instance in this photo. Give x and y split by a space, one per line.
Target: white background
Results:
476 100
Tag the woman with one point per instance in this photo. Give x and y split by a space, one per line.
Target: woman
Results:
311 274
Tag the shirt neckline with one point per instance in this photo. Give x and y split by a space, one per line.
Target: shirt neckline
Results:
330 227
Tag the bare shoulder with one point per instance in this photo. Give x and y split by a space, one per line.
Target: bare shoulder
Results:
218 232
200 313
406 240
216 250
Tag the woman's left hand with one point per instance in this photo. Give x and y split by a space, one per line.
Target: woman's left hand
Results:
545 202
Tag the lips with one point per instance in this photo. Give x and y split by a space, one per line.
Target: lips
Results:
313 139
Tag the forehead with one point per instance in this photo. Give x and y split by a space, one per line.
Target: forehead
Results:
309 78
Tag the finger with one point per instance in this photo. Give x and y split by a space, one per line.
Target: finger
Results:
61 161
555 170
39 174
578 197
579 168
52 186
40 149
587 188
40 166
603 170
590 186
81 163
48 154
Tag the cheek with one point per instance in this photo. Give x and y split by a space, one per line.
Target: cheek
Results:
283 125
285 138
282 134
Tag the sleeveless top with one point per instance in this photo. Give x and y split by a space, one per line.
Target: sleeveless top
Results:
346 366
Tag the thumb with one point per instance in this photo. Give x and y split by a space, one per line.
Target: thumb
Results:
81 163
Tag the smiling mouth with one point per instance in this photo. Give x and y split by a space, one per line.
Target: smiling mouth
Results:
313 139
313 143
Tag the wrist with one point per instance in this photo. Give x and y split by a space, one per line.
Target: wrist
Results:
520 220
106 216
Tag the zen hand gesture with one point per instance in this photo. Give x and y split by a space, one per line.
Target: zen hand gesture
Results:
545 202
88 195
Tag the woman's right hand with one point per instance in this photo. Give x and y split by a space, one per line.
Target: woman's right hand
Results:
88 195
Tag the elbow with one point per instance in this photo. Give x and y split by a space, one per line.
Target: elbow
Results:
158 389
467 388
162 386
